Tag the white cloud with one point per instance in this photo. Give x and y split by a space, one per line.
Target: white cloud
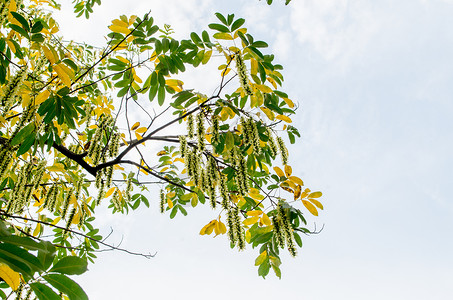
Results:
336 29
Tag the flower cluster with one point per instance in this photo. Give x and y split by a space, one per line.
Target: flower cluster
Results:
283 230
283 150
11 89
242 74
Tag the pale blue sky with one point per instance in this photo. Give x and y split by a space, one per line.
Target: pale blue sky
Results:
374 84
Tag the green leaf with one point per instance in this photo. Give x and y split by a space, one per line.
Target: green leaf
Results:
19 30
21 20
22 255
22 241
70 265
67 286
259 44
237 24
221 18
229 140
219 27
277 271
46 256
37 27
161 95
43 292
26 145
22 134
173 212
263 270
297 239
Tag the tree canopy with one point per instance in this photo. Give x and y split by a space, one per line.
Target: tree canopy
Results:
77 131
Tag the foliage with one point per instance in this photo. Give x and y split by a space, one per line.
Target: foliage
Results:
67 144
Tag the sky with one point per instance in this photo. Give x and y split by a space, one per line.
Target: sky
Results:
374 83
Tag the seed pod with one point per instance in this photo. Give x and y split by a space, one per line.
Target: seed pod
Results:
162 202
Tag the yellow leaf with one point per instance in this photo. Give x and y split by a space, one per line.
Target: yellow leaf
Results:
279 172
55 222
135 126
109 192
180 159
37 230
170 203
119 29
222 227
263 88
254 213
284 118
49 55
141 130
120 23
250 221
265 219
311 208
42 97
208 228
288 170
138 136
11 277
261 258
62 75
315 195
316 202
296 180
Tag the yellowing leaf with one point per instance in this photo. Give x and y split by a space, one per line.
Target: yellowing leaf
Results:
56 168
135 126
161 152
171 195
222 36
288 170
289 102
296 180
250 221
311 208
279 172
119 29
297 192
141 130
317 203
11 277
263 88
284 118
269 113
261 258
248 236
315 195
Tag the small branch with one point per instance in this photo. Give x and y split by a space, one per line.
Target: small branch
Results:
77 233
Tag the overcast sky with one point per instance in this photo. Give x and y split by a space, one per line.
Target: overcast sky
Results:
374 83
